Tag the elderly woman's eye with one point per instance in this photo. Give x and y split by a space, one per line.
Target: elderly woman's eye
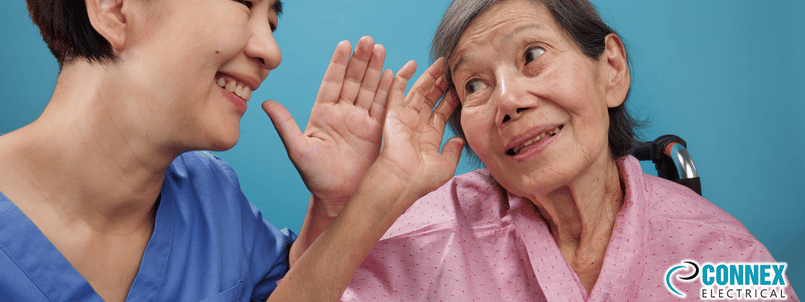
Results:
532 53
247 3
473 85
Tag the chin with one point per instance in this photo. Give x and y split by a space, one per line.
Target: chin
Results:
222 140
225 135
224 144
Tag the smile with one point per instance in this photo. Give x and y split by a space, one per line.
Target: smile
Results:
516 150
233 86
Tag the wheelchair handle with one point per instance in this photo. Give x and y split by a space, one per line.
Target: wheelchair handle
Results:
672 160
682 160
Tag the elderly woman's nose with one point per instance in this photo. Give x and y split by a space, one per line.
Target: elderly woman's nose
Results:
512 100
262 47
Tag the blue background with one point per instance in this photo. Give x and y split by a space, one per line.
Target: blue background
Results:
727 76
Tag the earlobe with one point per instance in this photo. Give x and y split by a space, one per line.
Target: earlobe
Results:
108 19
619 76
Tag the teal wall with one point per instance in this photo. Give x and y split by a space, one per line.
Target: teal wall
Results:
727 76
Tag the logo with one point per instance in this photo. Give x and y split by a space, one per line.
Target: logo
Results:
730 281
688 278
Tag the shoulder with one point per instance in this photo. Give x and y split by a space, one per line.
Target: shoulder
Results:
675 203
664 200
466 200
684 223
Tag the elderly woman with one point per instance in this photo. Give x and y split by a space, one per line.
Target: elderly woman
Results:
104 196
562 212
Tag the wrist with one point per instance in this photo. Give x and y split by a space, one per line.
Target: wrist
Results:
386 192
326 208
318 217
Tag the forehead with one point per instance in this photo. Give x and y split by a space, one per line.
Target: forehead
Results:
504 20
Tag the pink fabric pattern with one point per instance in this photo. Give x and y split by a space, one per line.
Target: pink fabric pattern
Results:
471 241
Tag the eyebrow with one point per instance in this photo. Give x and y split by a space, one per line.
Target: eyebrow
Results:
506 37
277 7
459 62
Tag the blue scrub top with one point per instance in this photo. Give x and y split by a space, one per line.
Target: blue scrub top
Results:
209 244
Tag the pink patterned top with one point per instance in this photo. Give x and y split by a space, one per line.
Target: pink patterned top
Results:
472 241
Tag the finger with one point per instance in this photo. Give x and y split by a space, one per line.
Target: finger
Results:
333 79
423 85
371 79
286 127
436 92
439 86
452 151
444 110
396 92
378 109
356 70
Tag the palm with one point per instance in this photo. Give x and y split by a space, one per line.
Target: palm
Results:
343 141
413 130
342 138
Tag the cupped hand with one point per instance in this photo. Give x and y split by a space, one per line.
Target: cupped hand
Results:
413 130
343 135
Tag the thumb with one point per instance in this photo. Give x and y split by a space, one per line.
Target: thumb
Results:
286 127
452 150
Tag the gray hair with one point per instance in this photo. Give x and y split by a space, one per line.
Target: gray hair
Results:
578 18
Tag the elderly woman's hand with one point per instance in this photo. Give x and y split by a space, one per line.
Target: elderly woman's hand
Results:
409 166
342 138
413 131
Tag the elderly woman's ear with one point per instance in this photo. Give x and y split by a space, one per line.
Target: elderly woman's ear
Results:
108 17
618 78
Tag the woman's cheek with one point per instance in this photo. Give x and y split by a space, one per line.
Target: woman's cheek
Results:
478 125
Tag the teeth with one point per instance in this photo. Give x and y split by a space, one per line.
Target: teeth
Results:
516 150
529 143
246 93
232 86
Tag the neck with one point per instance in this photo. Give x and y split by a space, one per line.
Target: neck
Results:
585 208
84 159
581 216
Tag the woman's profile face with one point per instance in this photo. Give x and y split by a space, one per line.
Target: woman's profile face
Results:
196 62
534 107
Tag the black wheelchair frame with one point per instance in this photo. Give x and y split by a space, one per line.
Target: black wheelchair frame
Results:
671 158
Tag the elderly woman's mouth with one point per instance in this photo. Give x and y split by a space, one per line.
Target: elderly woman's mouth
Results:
516 150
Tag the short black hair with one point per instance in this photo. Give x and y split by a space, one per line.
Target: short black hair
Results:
65 27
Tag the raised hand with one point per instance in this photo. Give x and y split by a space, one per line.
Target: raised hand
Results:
409 166
342 138
413 130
